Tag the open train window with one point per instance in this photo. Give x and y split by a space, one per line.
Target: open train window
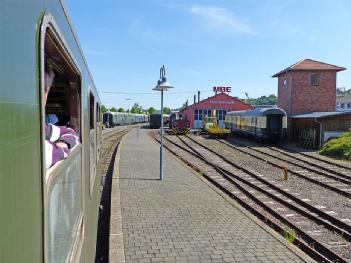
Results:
63 101
62 181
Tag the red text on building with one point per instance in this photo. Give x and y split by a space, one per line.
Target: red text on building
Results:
222 89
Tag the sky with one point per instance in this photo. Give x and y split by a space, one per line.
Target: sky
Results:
202 44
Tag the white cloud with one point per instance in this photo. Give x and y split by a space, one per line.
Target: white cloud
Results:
221 19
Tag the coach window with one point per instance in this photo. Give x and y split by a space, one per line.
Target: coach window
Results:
91 111
61 136
93 139
98 112
62 88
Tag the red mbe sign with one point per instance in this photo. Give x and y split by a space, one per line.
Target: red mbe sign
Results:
222 89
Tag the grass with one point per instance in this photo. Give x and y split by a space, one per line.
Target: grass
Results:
339 148
289 234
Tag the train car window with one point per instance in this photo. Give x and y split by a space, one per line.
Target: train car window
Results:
91 111
97 112
63 98
61 137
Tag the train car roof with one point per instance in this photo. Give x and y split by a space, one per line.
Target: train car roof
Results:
75 36
258 112
120 113
158 114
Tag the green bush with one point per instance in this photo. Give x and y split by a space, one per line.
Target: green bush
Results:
339 147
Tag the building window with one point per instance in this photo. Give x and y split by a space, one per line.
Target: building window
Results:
314 79
285 81
349 105
342 106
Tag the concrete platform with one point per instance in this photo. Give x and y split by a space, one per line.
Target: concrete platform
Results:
182 218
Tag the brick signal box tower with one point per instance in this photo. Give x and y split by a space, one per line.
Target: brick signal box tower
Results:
307 86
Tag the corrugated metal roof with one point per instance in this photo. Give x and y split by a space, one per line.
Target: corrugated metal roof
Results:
320 114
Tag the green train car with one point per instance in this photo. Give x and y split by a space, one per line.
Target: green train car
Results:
47 215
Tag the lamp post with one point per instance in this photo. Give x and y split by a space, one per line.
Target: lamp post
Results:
162 85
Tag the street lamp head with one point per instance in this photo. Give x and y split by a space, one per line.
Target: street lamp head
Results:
164 86
162 83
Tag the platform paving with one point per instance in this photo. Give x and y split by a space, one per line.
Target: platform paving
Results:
182 218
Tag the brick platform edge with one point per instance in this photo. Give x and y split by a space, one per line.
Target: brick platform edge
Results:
116 249
270 231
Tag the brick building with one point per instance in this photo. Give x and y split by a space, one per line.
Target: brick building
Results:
307 92
221 102
307 86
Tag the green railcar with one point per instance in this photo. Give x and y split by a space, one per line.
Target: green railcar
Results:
47 215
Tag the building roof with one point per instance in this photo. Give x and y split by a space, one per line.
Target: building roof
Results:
309 64
212 97
320 114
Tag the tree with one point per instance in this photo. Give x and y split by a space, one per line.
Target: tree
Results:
166 110
151 110
263 100
103 109
136 108
113 109
121 110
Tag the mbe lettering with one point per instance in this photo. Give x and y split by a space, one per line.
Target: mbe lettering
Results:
222 89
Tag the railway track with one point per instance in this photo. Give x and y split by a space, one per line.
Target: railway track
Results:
269 203
107 134
335 182
321 161
326 168
320 194
109 148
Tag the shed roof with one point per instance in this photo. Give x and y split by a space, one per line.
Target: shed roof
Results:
320 114
309 64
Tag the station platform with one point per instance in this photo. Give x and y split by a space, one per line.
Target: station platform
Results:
182 218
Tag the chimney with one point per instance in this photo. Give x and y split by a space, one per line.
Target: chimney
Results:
198 96
194 99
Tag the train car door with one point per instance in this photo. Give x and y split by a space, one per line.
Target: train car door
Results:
274 124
